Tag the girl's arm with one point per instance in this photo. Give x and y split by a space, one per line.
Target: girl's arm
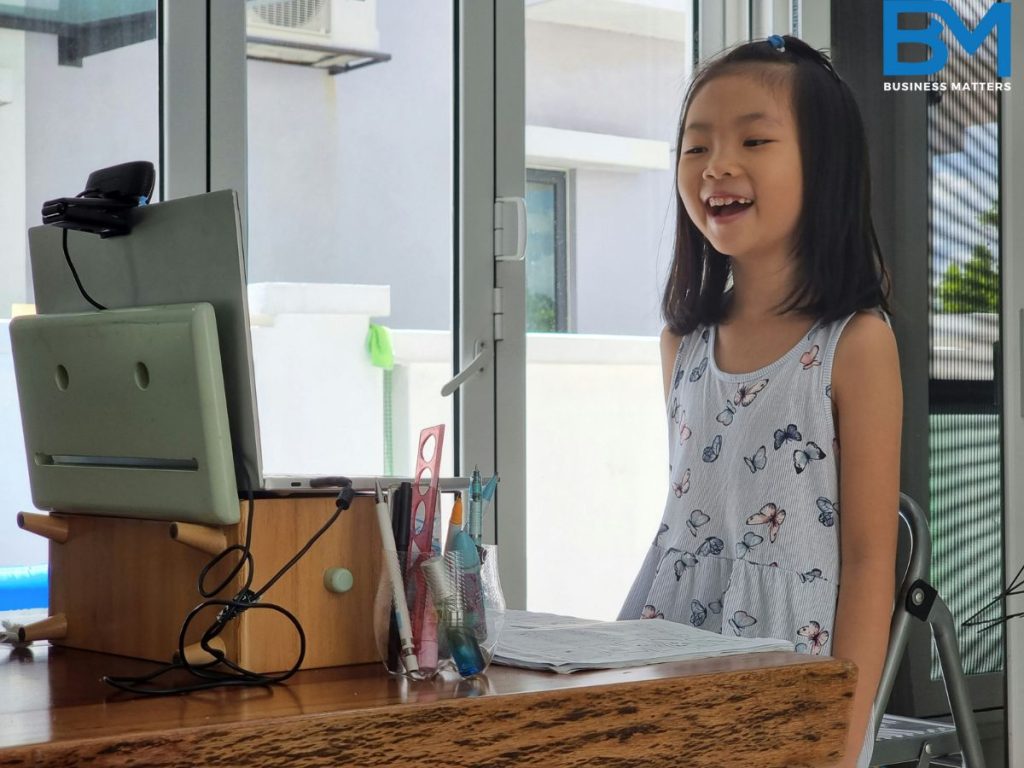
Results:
669 348
868 397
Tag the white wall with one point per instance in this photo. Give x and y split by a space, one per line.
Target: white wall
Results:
597 457
16 546
350 176
12 172
80 119
624 85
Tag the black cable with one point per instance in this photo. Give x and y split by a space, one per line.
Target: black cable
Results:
74 273
246 599
1015 587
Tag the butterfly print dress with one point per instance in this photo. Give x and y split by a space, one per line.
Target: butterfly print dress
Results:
749 542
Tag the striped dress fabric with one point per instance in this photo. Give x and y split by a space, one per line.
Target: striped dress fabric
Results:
749 541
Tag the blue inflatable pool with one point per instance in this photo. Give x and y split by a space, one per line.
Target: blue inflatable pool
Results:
23 587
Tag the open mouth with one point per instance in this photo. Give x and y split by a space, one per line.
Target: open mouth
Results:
725 211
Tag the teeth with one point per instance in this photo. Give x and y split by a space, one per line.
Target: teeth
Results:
718 202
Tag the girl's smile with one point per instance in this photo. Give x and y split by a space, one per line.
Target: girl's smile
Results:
739 172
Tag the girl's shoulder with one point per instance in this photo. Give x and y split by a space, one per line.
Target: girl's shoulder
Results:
866 350
865 330
670 344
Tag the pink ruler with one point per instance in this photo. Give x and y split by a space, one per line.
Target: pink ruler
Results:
422 543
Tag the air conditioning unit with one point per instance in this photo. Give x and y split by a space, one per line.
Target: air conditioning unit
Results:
333 34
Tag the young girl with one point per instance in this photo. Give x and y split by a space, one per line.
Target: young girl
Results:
781 373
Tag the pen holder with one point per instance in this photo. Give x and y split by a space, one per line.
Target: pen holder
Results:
456 613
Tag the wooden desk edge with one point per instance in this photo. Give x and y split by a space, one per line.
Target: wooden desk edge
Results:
633 722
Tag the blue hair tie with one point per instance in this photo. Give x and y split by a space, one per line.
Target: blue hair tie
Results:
776 42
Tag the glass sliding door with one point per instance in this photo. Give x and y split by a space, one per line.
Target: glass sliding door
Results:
79 91
351 174
603 90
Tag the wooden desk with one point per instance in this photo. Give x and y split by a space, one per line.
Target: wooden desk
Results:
755 710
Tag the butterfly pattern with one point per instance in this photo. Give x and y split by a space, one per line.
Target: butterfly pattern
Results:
757 461
816 637
686 560
712 452
804 456
827 511
726 558
740 621
712 546
749 541
783 436
809 359
697 519
650 612
769 515
698 371
683 486
684 429
699 611
746 394
725 416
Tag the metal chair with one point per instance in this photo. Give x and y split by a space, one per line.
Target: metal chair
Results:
905 739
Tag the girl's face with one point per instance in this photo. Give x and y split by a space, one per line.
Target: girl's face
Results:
740 144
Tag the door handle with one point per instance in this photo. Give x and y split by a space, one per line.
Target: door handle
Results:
484 355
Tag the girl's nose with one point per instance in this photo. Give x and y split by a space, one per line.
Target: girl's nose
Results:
718 164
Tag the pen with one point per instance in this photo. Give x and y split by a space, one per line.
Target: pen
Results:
387 538
400 527
454 524
476 508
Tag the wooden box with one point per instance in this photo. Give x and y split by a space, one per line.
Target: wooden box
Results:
125 586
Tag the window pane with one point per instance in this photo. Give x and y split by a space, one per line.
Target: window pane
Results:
78 92
965 430
351 194
545 252
603 89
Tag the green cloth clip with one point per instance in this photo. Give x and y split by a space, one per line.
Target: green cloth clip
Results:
378 344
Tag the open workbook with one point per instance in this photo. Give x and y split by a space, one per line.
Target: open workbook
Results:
566 644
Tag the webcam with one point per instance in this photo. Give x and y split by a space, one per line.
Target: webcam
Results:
104 206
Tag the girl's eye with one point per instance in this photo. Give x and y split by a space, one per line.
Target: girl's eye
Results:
756 142
693 150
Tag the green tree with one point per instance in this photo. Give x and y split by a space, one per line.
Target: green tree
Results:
975 288
540 312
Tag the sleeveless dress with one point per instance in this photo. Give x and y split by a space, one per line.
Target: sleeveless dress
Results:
749 542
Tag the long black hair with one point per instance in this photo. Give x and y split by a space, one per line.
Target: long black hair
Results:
839 262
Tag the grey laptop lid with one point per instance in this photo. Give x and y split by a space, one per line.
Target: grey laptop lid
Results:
124 413
182 251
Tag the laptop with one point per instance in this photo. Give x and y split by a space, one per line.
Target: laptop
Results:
181 251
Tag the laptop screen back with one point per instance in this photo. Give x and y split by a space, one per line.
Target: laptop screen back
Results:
179 252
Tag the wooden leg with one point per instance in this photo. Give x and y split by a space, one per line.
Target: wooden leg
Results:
202 537
53 528
53 628
195 654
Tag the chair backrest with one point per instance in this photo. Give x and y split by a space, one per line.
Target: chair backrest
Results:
913 561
